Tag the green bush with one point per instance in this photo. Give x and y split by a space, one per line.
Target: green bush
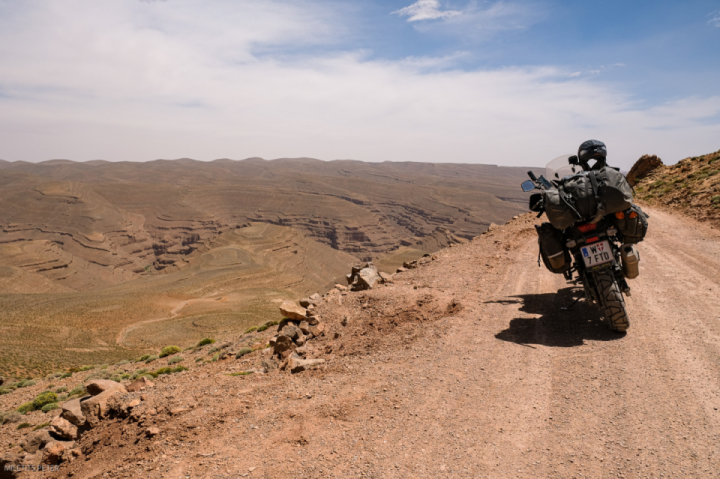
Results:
86 368
125 376
243 352
104 366
60 390
40 426
272 323
250 330
216 357
715 200
66 375
179 369
122 363
144 357
262 328
205 341
168 350
44 398
151 359
241 373
197 361
26 408
23 425
78 391
176 359
5 391
62 397
26 383
50 406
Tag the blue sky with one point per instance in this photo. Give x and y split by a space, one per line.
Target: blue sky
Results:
509 82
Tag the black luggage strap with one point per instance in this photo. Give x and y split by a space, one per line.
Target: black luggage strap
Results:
596 190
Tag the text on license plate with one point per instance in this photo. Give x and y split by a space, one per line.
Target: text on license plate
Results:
596 254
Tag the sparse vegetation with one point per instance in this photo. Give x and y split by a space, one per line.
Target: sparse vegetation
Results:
86 368
241 373
242 352
24 425
715 199
61 390
78 391
205 341
151 359
169 350
26 408
176 359
40 426
50 406
10 417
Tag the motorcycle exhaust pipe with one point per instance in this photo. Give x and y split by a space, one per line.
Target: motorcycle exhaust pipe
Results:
630 261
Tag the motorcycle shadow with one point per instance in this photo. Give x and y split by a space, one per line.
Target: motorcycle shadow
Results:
555 327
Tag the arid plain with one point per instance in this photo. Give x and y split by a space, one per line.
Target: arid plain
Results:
104 261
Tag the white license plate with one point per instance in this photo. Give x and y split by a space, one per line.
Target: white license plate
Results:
597 254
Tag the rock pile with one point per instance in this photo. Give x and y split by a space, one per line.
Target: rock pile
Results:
49 447
294 331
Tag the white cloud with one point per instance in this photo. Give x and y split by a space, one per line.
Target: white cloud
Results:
136 81
715 20
425 10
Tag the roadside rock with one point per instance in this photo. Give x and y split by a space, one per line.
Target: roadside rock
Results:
152 431
139 384
291 331
53 453
642 168
292 311
63 428
72 411
35 441
363 277
282 344
296 364
96 408
386 278
98 386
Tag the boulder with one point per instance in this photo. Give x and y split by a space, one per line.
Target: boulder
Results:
139 384
53 453
305 302
72 411
96 408
304 327
296 364
292 311
363 277
98 386
35 441
291 331
282 344
63 428
642 168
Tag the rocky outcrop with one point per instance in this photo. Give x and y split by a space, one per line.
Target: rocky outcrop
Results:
292 311
96 408
642 168
364 277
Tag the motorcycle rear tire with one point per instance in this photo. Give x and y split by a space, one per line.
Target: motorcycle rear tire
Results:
613 302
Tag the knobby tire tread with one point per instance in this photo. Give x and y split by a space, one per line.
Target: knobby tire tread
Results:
613 302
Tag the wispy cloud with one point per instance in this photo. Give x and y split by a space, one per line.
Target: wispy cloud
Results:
425 10
715 20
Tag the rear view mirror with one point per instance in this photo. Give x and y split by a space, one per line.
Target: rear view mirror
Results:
527 186
535 201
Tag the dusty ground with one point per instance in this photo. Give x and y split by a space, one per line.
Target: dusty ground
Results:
465 367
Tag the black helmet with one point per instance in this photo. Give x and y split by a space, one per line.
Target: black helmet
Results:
592 150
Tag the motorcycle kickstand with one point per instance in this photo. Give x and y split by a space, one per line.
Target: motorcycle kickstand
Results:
568 308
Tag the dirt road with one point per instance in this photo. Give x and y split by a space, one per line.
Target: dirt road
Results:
510 386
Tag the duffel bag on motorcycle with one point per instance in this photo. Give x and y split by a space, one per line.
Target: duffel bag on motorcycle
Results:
552 248
632 225
586 196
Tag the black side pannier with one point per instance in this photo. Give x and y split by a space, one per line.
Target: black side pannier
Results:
552 248
633 225
578 197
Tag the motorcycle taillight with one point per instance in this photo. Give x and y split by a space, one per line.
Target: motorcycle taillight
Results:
587 227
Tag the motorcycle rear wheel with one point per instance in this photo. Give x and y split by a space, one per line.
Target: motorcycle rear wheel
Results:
613 302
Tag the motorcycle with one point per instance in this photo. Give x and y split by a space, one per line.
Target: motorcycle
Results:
591 252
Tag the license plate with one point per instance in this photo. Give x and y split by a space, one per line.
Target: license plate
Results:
597 254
